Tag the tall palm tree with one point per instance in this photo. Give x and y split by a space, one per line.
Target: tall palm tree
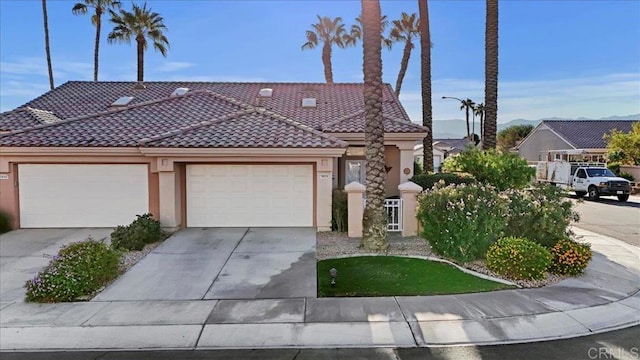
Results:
479 111
99 7
374 222
425 73
404 30
467 105
356 32
143 25
491 75
328 32
46 42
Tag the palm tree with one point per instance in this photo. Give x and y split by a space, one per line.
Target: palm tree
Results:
374 222
99 6
404 30
356 32
491 75
425 71
479 111
46 42
467 105
329 32
141 24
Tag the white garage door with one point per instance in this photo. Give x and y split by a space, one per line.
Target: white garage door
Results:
82 195
249 195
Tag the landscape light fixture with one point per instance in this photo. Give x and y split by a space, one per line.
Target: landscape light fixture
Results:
333 273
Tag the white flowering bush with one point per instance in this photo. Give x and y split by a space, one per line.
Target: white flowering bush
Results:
542 213
77 270
462 221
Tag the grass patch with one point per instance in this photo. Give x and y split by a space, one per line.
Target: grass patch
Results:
394 275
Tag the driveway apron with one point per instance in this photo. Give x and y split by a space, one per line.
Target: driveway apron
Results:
222 263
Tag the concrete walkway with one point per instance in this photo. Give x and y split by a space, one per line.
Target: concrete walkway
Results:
606 297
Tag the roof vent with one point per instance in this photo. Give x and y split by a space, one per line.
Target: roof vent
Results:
140 86
308 102
179 91
122 101
266 93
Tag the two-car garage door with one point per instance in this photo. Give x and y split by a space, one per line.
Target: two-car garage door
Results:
249 195
82 195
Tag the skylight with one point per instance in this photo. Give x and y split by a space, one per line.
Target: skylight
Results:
266 92
308 102
179 91
122 101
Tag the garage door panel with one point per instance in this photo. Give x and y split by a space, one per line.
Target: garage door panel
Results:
82 195
250 195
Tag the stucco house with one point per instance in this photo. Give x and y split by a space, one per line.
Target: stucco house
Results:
583 138
442 149
194 154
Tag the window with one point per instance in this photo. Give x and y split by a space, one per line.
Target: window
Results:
354 171
581 174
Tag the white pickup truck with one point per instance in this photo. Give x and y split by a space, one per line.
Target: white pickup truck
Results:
584 179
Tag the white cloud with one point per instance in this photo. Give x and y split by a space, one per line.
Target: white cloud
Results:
62 69
590 97
171 66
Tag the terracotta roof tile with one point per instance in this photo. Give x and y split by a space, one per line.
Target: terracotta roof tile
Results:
25 118
355 124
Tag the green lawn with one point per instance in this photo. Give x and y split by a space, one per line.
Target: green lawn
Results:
394 275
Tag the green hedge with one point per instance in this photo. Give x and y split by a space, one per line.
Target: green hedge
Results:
143 230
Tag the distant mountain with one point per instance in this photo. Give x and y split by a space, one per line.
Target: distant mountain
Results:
457 128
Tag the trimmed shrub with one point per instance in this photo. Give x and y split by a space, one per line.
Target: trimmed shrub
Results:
5 222
428 180
626 175
542 212
502 170
614 166
339 211
79 269
143 230
570 257
462 221
518 259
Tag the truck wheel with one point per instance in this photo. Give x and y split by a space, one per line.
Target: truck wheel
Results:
623 198
581 194
593 193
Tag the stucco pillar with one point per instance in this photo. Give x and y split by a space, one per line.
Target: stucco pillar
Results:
324 194
170 209
355 208
406 161
409 194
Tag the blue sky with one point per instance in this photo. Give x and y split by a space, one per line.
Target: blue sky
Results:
557 58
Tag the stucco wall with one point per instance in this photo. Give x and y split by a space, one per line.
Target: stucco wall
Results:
539 141
392 159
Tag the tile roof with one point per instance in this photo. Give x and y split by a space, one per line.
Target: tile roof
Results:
256 129
354 123
24 118
587 134
459 144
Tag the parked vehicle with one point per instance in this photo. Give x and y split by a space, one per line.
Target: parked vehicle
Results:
593 180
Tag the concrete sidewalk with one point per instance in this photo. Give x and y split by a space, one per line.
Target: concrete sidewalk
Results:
606 297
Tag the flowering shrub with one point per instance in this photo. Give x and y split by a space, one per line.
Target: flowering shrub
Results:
518 259
427 181
79 269
461 221
502 170
570 257
143 230
542 212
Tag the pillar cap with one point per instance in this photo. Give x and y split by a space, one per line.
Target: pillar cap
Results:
356 187
409 186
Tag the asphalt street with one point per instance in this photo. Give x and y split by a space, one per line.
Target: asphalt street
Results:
608 216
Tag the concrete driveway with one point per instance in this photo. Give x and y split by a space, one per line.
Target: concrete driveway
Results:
24 252
223 263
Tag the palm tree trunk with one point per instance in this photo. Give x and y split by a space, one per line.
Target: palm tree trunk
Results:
481 127
140 49
46 42
425 71
326 61
374 222
96 50
403 66
468 129
491 75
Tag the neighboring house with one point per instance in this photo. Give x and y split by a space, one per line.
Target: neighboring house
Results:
194 154
582 138
442 148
